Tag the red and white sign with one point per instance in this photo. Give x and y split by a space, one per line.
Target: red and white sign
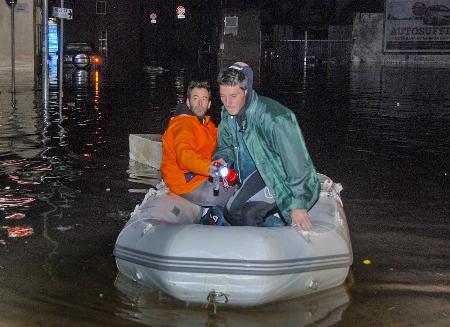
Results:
180 12
153 17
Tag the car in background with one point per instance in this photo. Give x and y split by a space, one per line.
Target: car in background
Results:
437 15
79 59
81 55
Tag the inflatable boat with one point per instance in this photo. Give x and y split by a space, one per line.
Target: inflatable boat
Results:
163 245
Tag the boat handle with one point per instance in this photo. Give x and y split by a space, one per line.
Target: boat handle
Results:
212 299
146 229
304 233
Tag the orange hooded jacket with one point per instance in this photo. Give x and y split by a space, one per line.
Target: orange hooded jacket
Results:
187 147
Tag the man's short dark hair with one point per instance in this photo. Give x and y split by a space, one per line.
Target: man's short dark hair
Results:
199 85
232 77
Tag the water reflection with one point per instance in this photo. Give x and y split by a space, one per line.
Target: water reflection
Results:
65 172
53 73
158 105
19 170
143 174
411 101
151 307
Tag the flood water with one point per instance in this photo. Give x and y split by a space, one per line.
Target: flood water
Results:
382 132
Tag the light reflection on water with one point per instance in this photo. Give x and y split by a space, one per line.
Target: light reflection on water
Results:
380 131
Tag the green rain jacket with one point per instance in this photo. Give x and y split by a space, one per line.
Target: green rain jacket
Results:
275 142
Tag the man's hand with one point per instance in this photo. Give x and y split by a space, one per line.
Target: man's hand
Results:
212 168
300 219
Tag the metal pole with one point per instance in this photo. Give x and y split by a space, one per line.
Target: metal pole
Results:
45 52
304 66
306 48
61 58
13 55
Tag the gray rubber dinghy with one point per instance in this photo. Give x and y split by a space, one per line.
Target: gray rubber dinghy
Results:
163 245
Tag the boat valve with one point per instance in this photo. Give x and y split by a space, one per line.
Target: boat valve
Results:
146 229
313 284
215 297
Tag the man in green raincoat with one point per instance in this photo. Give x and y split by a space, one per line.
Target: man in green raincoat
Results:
262 140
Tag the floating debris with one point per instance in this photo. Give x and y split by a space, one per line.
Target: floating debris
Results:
367 262
137 190
2 242
64 228
19 231
15 216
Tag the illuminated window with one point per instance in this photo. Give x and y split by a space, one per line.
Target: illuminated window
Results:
53 40
101 7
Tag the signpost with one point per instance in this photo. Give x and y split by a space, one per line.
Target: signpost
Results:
12 4
44 79
153 17
180 12
62 13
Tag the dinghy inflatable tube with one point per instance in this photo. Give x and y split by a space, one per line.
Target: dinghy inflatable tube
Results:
163 245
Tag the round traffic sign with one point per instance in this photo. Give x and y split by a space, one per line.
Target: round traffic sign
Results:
181 10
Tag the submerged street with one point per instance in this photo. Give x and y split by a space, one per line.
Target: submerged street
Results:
65 175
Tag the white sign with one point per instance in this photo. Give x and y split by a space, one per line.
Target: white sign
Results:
153 17
180 12
417 26
62 13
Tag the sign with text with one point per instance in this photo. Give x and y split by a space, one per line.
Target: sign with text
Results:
62 13
417 26
181 11
153 17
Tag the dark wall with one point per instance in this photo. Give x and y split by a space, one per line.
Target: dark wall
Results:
129 28
121 24
245 44
132 36
346 13
170 38
180 39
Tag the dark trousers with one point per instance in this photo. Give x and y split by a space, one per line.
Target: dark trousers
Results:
251 204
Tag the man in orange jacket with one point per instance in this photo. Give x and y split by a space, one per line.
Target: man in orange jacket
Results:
187 148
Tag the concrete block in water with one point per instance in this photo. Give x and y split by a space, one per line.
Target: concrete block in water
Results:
146 149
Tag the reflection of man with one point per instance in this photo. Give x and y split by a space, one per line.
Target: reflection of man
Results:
187 147
262 139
